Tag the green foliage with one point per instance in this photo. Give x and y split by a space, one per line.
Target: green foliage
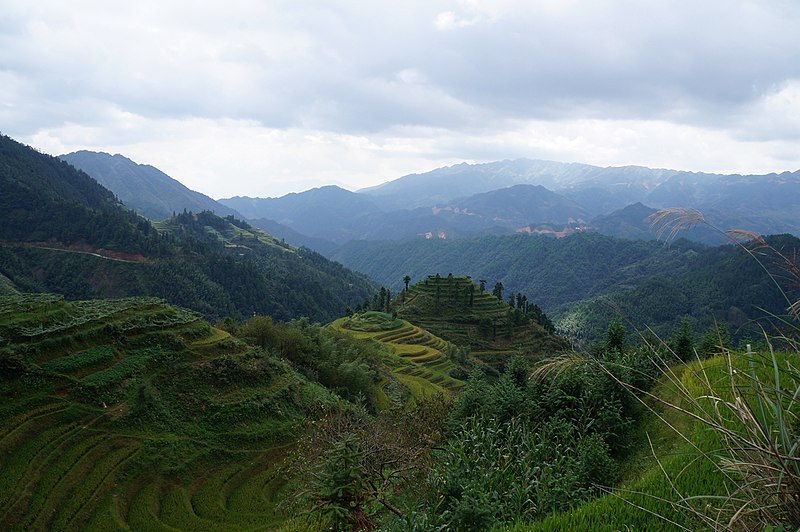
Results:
520 449
714 341
682 342
493 472
458 311
90 357
67 234
615 336
591 278
339 487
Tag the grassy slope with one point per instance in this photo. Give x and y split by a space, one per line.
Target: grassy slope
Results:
136 415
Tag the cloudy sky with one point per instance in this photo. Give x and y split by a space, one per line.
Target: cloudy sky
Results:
261 98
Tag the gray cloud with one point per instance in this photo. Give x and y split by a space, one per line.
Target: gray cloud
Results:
465 70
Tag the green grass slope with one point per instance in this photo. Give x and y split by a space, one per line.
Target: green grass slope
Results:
131 414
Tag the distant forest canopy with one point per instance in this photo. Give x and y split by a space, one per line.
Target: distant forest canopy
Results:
62 232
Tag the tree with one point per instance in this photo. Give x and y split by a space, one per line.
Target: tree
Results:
483 285
261 331
340 487
406 280
714 341
382 299
615 336
498 290
683 340
357 462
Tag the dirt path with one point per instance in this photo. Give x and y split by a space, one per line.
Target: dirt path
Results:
95 253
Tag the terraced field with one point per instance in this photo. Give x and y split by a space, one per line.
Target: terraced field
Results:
418 363
117 415
456 309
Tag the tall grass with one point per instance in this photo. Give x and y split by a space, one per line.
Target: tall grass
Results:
754 410
748 403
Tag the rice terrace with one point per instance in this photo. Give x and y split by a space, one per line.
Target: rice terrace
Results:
126 416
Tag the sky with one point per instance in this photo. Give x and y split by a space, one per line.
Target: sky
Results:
262 98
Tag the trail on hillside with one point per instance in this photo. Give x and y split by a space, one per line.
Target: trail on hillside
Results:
137 259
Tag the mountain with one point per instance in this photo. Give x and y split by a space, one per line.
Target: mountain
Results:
325 212
762 203
629 222
446 184
632 222
143 188
62 232
443 185
721 285
553 272
520 205
295 238
537 197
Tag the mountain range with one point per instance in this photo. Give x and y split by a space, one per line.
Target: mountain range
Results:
469 200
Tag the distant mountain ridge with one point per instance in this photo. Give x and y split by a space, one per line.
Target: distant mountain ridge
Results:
321 212
523 195
468 200
446 184
142 187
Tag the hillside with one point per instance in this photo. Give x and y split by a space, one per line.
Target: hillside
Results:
456 309
144 188
722 285
553 272
133 414
617 276
60 231
520 205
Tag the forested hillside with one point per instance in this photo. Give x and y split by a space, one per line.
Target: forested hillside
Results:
617 276
61 232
